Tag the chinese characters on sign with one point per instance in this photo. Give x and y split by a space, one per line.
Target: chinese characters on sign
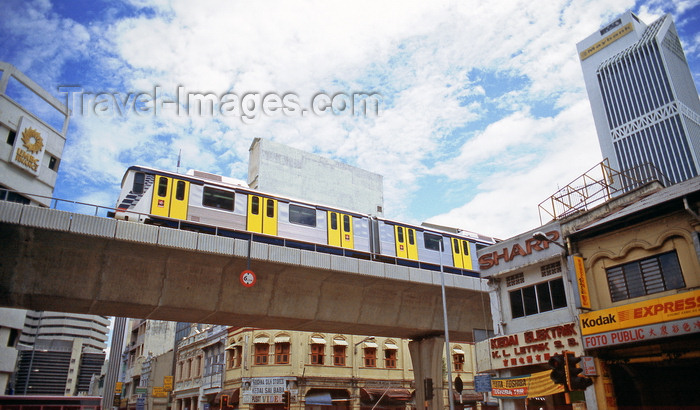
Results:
533 346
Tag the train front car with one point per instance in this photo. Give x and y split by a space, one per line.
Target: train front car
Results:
134 203
432 249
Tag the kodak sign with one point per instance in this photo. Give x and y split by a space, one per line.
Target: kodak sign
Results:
665 309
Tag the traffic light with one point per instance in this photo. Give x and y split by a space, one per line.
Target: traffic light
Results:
428 384
558 365
575 381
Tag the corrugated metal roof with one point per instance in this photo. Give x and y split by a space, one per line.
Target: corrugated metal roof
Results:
671 193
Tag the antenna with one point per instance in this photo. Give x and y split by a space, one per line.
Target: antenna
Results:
179 155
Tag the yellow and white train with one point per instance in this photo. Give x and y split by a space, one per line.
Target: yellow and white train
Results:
213 204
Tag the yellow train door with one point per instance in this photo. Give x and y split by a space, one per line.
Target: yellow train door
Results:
405 239
170 197
340 230
262 214
466 255
457 253
178 200
160 204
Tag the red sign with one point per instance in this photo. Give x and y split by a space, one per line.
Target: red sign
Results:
490 260
248 278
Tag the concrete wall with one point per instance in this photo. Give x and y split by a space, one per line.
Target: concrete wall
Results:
283 170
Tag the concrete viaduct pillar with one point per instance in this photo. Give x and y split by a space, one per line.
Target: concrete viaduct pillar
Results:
426 355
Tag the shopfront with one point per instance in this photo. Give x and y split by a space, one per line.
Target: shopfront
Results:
648 353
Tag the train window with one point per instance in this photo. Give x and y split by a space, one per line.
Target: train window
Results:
137 188
270 208
301 215
399 234
346 223
162 186
334 221
217 198
411 239
456 245
465 247
180 190
255 205
432 242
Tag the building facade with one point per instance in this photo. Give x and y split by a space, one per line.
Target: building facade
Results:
534 316
146 340
265 368
283 170
29 160
644 100
638 282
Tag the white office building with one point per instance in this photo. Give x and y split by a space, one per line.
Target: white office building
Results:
644 100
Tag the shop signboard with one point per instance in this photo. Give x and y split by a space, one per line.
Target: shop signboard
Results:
267 389
482 383
635 315
520 387
533 346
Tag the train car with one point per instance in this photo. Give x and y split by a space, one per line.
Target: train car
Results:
214 204
205 202
429 248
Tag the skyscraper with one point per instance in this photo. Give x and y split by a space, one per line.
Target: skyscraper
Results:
644 100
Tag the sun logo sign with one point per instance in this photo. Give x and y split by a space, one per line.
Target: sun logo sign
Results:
29 148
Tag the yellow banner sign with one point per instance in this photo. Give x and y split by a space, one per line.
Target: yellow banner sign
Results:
531 385
582 282
159 392
665 309
118 388
626 29
168 383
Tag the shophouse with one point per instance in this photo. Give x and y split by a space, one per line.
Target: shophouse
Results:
640 279
534 317
271 369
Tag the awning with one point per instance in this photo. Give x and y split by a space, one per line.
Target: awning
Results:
233 396
318 340
319 399
390 346
262 340
340 342
231 346
282 339
468 396
458 351
326 397
371 395
370 344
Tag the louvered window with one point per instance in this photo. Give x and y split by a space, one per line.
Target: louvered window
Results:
644 277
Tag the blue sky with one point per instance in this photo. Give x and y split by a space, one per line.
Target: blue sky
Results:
483 113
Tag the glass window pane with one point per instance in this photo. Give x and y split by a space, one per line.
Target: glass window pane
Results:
302 215
217 198
516 304
673 276
556 288
432 242
411 239
255 205
455 246
334 220
346 223
270 208
530 301
138 183
543 298
180 191
162 186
